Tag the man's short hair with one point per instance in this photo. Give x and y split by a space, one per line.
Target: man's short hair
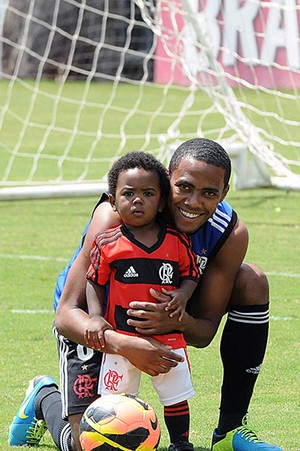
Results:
202 149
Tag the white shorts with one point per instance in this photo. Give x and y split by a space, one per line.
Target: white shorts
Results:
117 375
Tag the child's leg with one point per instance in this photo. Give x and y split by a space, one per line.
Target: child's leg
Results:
118 375
177 419
174 388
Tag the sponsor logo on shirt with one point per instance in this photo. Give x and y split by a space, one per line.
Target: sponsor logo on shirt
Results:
131 272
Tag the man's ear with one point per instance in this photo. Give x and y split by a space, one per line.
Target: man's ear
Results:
225 192
112 201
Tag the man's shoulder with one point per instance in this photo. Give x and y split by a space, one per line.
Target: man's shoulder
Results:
222 217
212 235
102 199
225 208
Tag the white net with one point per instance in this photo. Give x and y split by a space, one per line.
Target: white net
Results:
85 81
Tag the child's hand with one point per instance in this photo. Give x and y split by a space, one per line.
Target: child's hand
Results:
178 311
177 303
94 334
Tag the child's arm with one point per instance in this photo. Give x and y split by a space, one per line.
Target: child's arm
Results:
179 297
190 275
94 334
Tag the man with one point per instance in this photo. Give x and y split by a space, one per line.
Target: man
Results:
199 174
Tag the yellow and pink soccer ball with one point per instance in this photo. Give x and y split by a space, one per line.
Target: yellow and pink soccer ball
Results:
121 422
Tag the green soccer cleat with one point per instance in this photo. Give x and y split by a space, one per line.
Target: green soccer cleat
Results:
26 429
241 439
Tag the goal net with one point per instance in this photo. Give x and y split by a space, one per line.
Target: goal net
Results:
85 81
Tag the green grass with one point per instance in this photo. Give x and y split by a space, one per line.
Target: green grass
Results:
85 123
37 237
50 229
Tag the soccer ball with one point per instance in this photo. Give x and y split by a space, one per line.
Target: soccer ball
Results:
121 422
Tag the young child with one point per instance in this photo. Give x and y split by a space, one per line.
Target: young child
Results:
142 254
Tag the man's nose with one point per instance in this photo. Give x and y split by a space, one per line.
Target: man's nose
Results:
194 200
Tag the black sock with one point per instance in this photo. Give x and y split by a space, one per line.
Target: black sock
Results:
49 408
243 348
177 419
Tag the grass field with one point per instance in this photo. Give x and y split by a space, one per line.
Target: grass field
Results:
71 128
37 237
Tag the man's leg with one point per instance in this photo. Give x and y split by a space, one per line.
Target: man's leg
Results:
243 346
60 413
79 376
74 424
41 409
48 407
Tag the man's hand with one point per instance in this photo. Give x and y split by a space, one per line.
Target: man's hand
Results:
151 356
155 318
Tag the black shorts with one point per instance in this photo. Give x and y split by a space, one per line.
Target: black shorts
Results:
79 375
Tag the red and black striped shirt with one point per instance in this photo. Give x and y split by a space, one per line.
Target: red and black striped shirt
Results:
132 269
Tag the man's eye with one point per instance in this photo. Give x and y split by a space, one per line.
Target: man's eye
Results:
184 187
210 193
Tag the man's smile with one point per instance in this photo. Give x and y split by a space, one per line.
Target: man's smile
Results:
189 215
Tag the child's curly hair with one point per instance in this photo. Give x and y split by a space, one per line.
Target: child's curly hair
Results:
141 160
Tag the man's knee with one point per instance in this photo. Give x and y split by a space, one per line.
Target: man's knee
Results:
251 286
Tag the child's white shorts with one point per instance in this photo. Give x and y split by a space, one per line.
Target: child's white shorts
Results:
118 375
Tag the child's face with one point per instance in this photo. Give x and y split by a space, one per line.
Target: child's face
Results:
138 197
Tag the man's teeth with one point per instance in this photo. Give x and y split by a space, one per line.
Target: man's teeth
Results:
188 215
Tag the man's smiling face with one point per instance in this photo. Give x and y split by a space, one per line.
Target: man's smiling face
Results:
196 190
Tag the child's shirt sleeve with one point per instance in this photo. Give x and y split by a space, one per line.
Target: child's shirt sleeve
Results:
99 269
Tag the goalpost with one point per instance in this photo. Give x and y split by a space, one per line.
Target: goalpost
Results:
84 81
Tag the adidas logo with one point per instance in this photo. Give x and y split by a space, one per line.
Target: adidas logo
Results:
254 370
131 272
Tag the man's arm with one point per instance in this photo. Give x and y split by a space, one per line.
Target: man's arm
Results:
209 301
71 319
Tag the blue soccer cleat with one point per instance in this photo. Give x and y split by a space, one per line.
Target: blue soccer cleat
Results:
241 439
26 429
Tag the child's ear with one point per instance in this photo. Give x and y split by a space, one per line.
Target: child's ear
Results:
112 201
